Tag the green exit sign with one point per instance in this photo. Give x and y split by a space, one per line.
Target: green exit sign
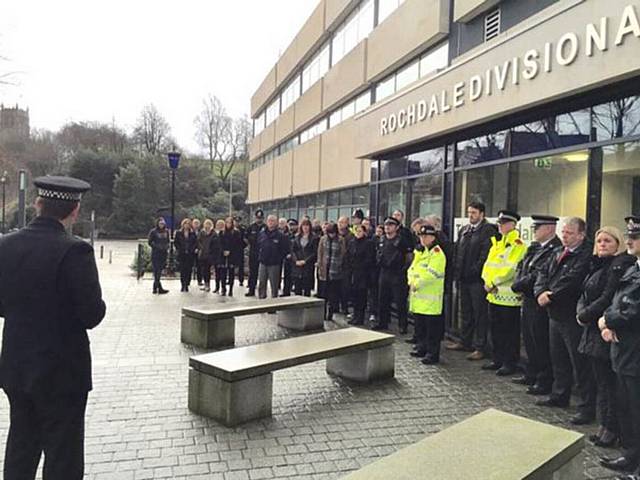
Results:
544 163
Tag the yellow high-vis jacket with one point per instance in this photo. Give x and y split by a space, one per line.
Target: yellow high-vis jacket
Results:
426 281
500 269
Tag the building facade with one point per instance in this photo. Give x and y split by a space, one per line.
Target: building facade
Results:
426 105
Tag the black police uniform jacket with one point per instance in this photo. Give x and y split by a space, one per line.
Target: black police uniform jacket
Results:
623 316
564 278
537 257
49 296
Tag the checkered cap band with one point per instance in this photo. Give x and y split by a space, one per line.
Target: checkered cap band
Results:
57 195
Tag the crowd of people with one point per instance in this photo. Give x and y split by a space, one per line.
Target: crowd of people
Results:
575 302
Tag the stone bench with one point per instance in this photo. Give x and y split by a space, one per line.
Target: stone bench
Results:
235 386
491 445
212 326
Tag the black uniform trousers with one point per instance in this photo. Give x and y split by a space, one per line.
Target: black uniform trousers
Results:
241 268
569 365
429 332
535 334
505 332
254 266
198 268
629 414
333 288
392 287
373 293
475 316
359 300
607 395
287 277
186 269
42 423
158 263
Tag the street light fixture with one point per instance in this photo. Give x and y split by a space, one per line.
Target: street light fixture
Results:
174 163
3 180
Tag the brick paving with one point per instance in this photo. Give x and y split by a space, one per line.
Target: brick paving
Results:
139 427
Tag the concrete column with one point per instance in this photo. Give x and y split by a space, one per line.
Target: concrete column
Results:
364 366
302 319
230 403
208 333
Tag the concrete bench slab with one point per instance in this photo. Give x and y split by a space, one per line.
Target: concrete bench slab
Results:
211 326
491 445
235 386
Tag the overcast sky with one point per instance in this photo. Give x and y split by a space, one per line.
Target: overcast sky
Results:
103 60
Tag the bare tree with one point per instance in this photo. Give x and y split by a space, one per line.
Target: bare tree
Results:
152 132
239 145
214 130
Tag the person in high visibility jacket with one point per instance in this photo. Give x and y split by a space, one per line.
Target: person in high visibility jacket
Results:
426 295
498 274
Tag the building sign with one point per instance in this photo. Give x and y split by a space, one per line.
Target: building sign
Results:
601 36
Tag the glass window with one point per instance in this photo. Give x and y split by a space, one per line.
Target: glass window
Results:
348 111
273 111
553 185
550 133
482 149
361 195
316 68
386 88
332 214
346 197
333 198
407 75
386 8
291 93
619 118
392 196
335 118
313 131
434 60
487 185
354 29
363 101
258 124
620 183
426 197
394 168
429 162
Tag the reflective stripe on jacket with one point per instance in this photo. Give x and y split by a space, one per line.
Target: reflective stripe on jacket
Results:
500 269
426 281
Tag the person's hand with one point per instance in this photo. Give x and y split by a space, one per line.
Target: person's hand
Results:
226 253
607 335
544 299
300 263
602 323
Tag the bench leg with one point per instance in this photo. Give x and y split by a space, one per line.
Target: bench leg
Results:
230 403
364 366
302 319
207 334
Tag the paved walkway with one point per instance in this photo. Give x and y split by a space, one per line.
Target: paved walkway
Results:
139 427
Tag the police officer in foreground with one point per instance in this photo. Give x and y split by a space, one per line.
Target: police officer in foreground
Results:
620 326
498 274
49 297
392 257
535 320
254 262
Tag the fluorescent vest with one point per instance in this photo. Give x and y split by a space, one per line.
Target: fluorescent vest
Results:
500 269
426 281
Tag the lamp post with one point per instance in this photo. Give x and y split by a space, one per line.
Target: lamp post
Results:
174 162
22 198
3 180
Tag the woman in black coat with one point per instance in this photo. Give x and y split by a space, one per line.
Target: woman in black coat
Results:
185 243
361 259
159 243
231 245
608 264
304 253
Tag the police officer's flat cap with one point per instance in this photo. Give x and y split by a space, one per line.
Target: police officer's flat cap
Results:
61 188
358 213
544 220
505 216
427 230
633 226
259 213
292 221
392 221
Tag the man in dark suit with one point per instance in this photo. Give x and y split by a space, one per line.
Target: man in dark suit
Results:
49 297
535 320
558 288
